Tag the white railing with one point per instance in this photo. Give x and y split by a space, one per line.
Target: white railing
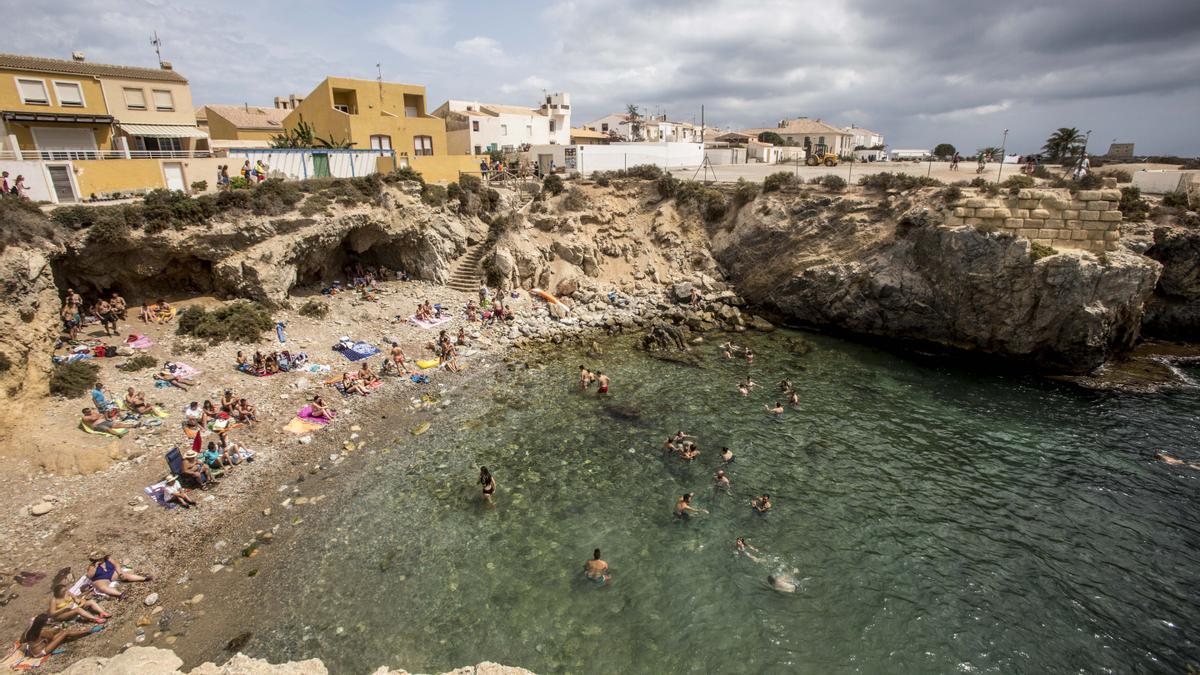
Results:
68 155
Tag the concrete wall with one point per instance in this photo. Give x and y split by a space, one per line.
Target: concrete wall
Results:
181 96
1087 220
730 155
618 156
297 164
35 175
442 169
1162 182
105 176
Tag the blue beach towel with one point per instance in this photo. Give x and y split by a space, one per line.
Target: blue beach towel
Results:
359 351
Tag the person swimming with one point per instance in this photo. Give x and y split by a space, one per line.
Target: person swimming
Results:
777 410
761 504
487 483
602 379
1175 461
596 569
726 455
720 480
784 583
684 508
585 378
741 548
689 451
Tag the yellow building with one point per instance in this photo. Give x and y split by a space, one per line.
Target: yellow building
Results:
381 116
75 109
254 125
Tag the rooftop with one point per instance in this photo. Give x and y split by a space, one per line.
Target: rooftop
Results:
250 117
587 133
71 67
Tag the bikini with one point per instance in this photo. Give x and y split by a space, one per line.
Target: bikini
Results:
104 571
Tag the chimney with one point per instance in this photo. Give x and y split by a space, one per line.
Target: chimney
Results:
77 57
165 65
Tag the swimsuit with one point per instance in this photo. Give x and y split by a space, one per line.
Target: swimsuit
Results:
603 389
104 571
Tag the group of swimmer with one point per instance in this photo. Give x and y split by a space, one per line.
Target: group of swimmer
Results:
587 378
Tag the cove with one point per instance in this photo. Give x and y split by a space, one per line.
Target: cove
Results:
935 519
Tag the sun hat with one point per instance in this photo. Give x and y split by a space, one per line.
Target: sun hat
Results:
97 555
190 454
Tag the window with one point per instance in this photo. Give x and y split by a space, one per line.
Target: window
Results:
422 145
135 99
529 130
68 93
342 107
411 111
604 126
551 126
33 92
163 100
503 129
156 144
474 125
381 142
478 150
820 140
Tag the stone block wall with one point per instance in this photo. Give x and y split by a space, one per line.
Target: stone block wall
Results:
1089 220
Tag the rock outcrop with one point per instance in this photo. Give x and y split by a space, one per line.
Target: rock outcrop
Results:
153 661
920 280
1174 311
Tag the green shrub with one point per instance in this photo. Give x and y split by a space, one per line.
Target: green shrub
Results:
778 180
73 379
239 321
576 199
978 182
433 195
1040 171
454 192
901 182
553 184
833 183
602 178
645 172
74 217
952 194
667 186
1132 206
314 309
404 173
1090 182
1121 175
199 185
315 204
1176 200
1017 182
240 183
470 183
139 362
744 192
1039 251
489 199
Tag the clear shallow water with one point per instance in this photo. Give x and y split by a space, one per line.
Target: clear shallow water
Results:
938 521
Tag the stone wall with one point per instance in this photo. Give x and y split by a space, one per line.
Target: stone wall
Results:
1088 220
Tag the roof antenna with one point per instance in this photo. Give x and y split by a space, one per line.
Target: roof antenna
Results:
379 79
157 47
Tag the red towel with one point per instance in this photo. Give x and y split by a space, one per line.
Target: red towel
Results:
196 443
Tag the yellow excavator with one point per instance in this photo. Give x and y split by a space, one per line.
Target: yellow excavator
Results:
819 154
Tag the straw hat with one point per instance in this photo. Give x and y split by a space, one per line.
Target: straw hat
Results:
190 454
97 555
171 478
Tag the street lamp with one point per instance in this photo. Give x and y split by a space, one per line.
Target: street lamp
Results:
1003 146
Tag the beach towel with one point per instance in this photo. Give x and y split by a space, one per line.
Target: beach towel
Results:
306 414
183 370
165 316
428 363
158 493
316 368
138 342
17 660
300 426
430 323
359 351
162 384
116 433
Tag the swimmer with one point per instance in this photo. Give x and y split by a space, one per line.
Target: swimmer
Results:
749 355
585 378
1164 457
749 383
680 435
689 451
785 386
669 446
778 409
602 379
726 455
761 504
684 508
596 569
742 548
784 583
720 480
488 484
743 390
794 399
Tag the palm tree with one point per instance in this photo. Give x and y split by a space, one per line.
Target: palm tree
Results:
634 117
1063 143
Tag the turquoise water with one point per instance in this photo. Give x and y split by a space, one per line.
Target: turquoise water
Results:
935 520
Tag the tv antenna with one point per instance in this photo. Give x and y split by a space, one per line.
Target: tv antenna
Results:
705 165
157 47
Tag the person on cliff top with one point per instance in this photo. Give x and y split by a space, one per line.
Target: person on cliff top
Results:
39 641
487 483
596 569
602 380
103 570
954 161
684 508
982 162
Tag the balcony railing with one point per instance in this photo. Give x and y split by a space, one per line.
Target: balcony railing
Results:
68 155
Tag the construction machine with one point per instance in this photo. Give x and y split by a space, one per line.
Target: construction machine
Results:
819 154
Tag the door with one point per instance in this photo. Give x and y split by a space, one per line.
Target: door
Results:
174 174
65 142
544 163
60 180
320 162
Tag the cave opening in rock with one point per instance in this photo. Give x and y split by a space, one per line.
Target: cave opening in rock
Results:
130 275
367 246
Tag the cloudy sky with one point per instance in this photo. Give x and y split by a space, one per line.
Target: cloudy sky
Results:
959 71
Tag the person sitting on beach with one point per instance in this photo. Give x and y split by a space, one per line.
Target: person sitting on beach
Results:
173 492
461 339
352 386
209 410
162 310
367 376
472 311
193 414
216 457
98 422
136 401
244 411
720 480
148 315
761 504
101 399
65 607
39 641
596 569
271 363
228 400
449 357
118 305
684 508
165 375
318 408
241 363
726 455
103 570
195 469
777 409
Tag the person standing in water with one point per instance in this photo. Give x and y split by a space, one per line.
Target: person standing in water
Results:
585 378
596 569
488 484
726 455
720 480
603 380
778 409
761 504
684 508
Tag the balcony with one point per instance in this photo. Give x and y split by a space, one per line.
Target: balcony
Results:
68 154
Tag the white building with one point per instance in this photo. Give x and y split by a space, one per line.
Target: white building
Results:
900 154
649 129
805 132
474 128
587 159
868 145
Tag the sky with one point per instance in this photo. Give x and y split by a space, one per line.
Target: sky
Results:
920 72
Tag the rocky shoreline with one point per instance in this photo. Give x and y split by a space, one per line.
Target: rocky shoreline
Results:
151 661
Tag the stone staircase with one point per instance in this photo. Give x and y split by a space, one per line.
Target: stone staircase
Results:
468 270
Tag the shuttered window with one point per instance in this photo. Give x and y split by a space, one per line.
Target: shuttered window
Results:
69 93
33 91
135 99
422 145
163 100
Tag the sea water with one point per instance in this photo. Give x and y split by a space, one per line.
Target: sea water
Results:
934 519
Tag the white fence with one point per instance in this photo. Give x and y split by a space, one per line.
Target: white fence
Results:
587 159
301 163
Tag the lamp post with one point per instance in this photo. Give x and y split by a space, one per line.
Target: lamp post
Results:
1003 147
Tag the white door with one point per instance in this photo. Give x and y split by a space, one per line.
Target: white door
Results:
174 173
60 180
59 143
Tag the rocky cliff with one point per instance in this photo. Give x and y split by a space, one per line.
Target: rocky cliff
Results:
824 261
1174 310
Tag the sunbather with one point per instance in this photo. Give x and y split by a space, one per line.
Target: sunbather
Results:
103 570
228 401
352 386
165 375
136 401
366 375
64 606
241 362
208 412
244 411
163 311
216 457
148 315
39 640
194 468
101 399
318 408
98 422
173 492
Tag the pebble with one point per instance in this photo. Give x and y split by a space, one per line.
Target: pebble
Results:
49 498
197 598
139 509
156 610
355 427
305 440
216 568
300 501
41 509
151 599
266 512
171 639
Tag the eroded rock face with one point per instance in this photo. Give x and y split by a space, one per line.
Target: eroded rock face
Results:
954 286
1174 310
